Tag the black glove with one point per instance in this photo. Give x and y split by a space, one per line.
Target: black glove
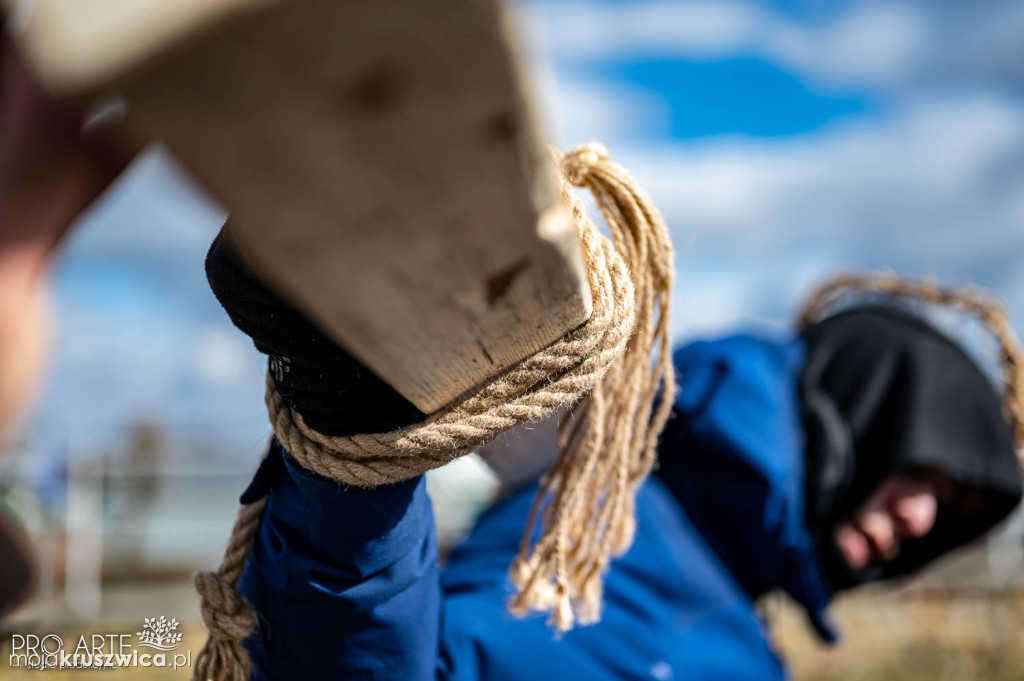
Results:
334 393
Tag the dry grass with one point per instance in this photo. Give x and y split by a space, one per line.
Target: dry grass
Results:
924 636
885 638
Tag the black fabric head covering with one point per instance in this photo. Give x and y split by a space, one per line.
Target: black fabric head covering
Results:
882 390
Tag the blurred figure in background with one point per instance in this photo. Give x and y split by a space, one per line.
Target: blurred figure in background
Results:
860 450
49 173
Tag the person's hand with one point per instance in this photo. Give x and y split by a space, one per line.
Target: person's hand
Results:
333 391
49 172
905 506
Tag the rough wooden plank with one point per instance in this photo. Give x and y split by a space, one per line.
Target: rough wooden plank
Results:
382 171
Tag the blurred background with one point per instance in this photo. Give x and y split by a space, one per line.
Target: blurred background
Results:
782 139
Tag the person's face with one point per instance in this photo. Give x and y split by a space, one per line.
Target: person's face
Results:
903 507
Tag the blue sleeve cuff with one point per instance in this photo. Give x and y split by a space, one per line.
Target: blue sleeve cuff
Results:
361 527
345 579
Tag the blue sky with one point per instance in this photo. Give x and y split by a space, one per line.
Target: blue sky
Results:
781 139
733 96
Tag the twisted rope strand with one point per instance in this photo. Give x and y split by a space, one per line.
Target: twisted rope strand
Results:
227 616
613 368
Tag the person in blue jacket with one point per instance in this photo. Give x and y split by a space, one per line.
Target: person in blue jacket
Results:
860 450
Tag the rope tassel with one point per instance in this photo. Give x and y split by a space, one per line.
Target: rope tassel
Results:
616 372
585 507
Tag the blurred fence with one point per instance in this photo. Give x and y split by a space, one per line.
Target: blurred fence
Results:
119 530
157 509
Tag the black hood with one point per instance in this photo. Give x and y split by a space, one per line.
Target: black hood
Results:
882 390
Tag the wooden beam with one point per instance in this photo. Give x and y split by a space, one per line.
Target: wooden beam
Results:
382 169
82 46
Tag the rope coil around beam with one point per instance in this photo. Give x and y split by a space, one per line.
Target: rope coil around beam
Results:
615 369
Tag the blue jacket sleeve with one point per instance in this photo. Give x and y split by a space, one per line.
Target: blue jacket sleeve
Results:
345 579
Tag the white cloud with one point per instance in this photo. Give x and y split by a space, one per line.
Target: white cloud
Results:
889 44
936 188
575 108
935 145
587 30
870 44
220 355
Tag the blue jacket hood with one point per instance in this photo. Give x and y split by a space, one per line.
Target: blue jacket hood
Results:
734 457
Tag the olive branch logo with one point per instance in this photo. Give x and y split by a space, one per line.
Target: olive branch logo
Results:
159 633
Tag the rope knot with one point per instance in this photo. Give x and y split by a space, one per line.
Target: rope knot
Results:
225 612
578 163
